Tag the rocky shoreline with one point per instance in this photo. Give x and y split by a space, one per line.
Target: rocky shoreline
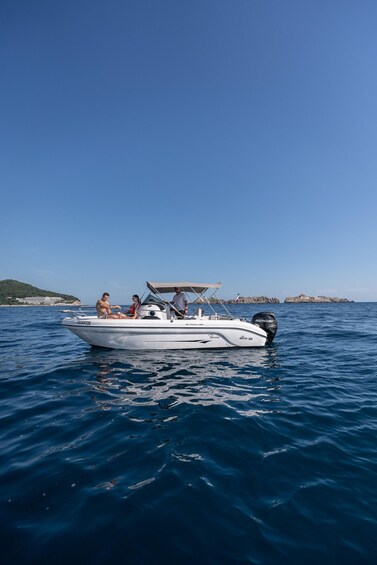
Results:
253 300
303 298
59 304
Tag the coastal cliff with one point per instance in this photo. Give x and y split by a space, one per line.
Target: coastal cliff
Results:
303 298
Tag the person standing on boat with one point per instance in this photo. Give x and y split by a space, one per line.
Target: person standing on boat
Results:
180 303
104 309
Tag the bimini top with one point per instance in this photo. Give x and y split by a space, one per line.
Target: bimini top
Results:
165 287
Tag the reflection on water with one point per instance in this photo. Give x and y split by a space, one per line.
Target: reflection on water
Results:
169 378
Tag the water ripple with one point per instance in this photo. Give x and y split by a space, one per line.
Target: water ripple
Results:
234 456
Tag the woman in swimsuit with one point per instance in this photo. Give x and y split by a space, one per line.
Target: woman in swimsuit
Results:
132 312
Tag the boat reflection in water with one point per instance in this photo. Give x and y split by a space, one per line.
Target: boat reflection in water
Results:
248 379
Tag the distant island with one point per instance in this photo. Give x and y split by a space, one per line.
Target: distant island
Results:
254 300
302 298
306 299
240 300
16 293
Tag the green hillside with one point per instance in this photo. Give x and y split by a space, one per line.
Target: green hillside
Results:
11 289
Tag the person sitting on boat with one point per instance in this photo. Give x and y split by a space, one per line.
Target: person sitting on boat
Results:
132 312
180 303
104 309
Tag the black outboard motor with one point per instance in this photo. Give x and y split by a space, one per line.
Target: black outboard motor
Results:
267 322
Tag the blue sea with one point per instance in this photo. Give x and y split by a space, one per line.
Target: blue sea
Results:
264 456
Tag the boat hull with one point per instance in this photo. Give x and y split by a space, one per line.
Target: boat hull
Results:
166 334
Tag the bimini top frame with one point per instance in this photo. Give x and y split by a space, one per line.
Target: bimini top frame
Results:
168 287
199 289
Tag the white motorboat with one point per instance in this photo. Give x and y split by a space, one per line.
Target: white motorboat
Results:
159 326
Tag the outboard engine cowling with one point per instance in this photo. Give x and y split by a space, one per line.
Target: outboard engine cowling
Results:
267 322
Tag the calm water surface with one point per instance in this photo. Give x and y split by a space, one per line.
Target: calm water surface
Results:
239 456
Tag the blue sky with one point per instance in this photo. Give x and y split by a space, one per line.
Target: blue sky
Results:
208 140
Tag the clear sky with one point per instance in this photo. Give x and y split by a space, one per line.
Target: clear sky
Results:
205 140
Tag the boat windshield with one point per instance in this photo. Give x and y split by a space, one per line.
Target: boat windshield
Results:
153 299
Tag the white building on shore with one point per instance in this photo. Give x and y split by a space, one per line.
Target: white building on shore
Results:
41 300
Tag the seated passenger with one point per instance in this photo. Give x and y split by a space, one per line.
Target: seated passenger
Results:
132 312
104 309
